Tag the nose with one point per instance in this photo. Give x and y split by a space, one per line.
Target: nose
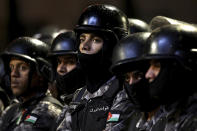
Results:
130 81
14 72
61 69
150 74
86 46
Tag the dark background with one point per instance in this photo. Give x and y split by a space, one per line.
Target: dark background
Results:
25 17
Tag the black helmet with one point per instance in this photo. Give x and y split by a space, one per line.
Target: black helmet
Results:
173 42
137 25
129 52
174 46
111 24
159 21
64 43
128 57
47 34
32 50
106 19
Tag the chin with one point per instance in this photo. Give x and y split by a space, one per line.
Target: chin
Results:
16 92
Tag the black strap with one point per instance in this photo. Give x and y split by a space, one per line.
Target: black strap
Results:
114 88
79 95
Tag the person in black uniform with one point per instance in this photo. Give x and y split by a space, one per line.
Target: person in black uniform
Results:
47 34
29 75
130 68
69 76
171 50
161 89
99 28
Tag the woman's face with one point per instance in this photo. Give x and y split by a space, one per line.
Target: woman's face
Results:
90 43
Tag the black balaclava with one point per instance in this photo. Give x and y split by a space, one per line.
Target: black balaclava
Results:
139 95
96 66
171 83
138 91
70 82
168 86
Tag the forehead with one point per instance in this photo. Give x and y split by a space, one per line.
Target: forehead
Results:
66 57
90 35
154 61
16 60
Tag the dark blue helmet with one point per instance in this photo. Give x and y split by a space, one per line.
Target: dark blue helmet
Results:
129 52
137 25
32 50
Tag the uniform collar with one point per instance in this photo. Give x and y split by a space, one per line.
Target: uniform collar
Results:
33 100
103 89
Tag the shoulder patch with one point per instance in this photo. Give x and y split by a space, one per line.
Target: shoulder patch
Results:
31 118
113 117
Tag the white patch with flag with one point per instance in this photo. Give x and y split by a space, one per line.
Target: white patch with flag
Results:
112 117
31 119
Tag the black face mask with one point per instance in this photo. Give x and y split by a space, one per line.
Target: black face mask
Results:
70 82
139 94
170 84
95 68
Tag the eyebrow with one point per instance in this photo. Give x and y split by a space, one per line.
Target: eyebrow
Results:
91 35
20 63
82 35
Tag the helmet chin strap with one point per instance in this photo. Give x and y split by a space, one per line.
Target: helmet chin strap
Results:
29 89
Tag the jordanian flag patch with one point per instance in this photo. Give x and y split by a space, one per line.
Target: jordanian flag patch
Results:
31 119
113 117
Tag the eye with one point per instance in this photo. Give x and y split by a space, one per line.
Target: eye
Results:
156 64
127 77
71 62
134 75
11 68
23 67
137 75
82 39
97 40
58 61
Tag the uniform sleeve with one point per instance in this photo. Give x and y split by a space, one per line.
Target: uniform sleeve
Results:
1 107
60 117
2 115
65 125
36 123
120 111
7 116
41 118
1 122
190 124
